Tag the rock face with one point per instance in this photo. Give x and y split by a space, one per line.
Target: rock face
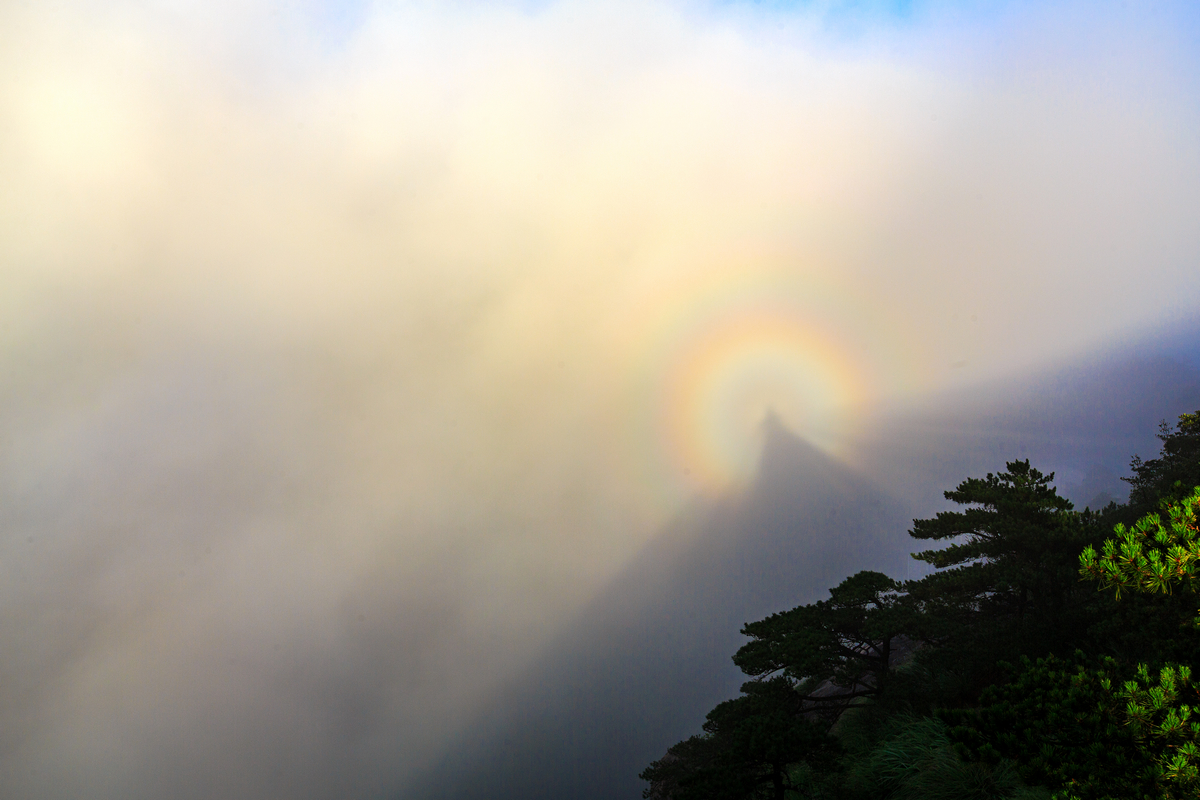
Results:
650 657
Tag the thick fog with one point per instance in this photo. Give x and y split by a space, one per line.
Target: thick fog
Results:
649 656
352 353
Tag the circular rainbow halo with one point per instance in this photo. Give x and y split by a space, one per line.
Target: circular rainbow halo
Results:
719 350
730 377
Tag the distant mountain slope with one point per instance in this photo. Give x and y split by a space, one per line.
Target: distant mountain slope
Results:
651 655
1084 419
639 669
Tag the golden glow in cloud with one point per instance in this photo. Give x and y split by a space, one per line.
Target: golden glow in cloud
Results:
720 352
754 366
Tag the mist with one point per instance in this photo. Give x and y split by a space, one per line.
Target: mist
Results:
350 353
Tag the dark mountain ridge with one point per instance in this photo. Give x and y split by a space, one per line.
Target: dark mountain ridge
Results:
650 655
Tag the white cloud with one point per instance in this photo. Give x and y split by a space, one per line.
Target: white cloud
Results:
304 327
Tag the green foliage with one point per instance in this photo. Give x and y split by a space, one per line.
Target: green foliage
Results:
1012 515
1156 555
691 769
917 760
920 763
1166 725
1006 583
1063 725
1172 474
750 748
839 649
1159 552
953 721
1011 550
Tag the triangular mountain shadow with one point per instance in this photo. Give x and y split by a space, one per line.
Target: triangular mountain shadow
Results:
639 669
650 656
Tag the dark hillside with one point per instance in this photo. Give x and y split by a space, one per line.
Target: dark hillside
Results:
639 669
651 654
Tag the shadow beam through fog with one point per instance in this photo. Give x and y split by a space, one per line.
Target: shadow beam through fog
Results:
351 351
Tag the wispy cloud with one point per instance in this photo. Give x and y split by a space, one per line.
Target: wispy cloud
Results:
342 344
